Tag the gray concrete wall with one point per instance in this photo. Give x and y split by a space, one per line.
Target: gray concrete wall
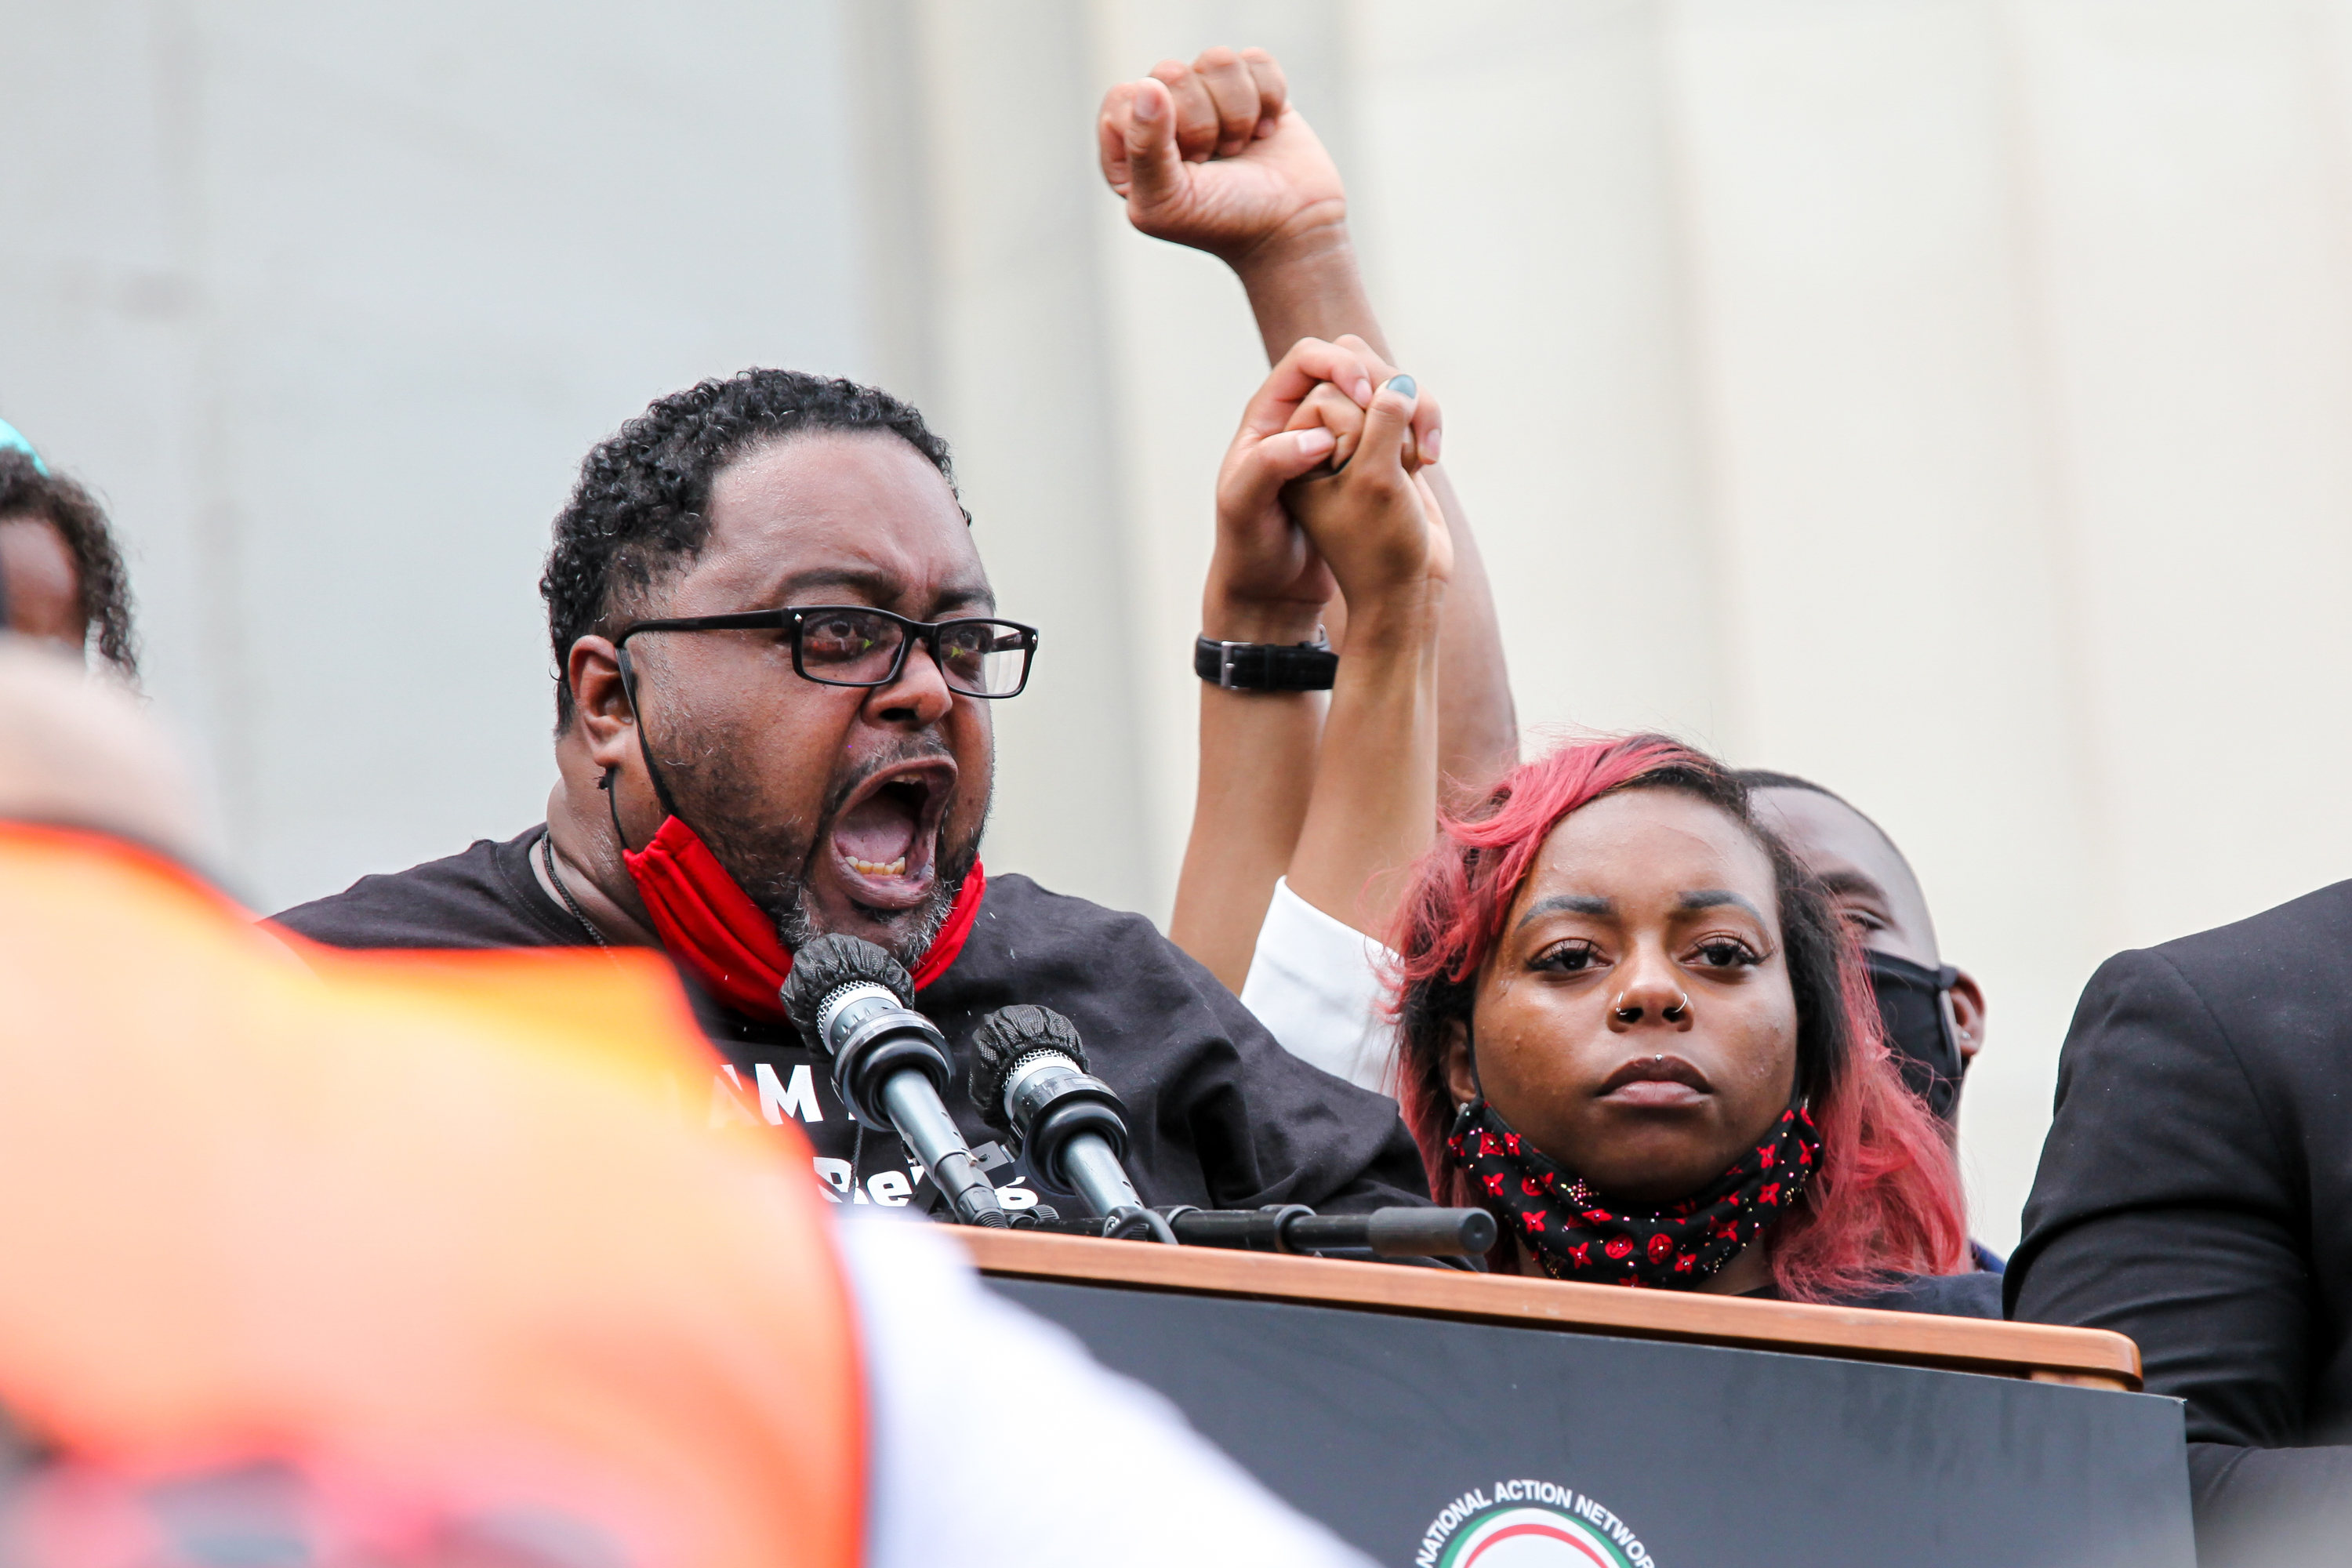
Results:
330 300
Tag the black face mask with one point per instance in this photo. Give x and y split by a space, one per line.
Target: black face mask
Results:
1912 1006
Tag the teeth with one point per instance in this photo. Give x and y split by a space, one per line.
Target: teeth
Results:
875 869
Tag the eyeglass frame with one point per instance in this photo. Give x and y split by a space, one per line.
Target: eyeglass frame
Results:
789 619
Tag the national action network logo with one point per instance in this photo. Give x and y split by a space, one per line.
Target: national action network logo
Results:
1529 1524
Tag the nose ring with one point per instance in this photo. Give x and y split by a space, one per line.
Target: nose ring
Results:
1674 1012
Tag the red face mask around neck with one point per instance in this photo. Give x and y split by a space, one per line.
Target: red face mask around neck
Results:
712 927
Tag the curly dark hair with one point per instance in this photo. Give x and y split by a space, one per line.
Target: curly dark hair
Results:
27 491
638 509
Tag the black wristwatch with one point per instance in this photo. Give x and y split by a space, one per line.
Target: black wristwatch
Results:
1265 665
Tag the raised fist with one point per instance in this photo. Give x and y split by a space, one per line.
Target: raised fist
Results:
1213 156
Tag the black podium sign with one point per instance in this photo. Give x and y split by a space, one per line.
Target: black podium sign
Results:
1452 1443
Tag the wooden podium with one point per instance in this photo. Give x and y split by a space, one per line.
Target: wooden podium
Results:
1439 1419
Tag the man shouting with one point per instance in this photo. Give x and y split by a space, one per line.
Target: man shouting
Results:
779 652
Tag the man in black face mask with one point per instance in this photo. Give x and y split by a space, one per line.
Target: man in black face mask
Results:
1932 1011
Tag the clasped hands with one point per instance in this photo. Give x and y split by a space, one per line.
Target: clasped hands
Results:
1321 491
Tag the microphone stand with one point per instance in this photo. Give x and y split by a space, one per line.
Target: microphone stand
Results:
1396 1232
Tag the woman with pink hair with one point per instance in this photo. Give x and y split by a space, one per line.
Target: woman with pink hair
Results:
1630 1025
1622 1015
1627 1020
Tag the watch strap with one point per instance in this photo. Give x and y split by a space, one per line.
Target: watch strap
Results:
1265 667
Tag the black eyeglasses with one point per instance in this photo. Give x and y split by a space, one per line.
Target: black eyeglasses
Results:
856 645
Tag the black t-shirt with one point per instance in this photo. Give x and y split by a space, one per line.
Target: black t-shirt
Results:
1218 1113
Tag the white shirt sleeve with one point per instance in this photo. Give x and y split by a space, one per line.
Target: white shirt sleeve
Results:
1315 984
996 1441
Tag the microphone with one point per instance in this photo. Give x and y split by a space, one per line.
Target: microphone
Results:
1029 1079
854 1005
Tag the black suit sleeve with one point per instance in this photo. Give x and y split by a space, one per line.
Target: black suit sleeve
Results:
2166 1208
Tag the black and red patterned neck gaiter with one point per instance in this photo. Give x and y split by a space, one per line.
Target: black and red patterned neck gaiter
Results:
1575 1235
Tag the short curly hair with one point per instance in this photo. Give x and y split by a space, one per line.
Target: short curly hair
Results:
639 506
28 491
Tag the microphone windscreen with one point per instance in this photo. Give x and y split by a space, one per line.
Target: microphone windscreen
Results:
824 965
1003 1038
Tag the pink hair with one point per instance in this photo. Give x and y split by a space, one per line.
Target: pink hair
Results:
1886 1199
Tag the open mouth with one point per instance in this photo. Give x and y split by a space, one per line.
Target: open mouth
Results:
885 837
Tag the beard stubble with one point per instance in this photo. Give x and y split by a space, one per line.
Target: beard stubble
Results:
769 858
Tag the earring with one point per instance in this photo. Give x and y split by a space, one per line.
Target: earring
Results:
1679 1011
1625 1014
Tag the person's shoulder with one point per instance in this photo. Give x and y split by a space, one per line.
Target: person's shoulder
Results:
2277 973
467 899
1028 943
1041 913
2311 932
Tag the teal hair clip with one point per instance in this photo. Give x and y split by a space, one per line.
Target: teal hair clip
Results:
11 437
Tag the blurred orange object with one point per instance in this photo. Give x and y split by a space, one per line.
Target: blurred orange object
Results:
433 1218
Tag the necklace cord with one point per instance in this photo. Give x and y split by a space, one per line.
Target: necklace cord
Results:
563 891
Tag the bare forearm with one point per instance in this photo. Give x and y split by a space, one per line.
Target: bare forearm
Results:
1374 803
1257 766
1308 286
1478 725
